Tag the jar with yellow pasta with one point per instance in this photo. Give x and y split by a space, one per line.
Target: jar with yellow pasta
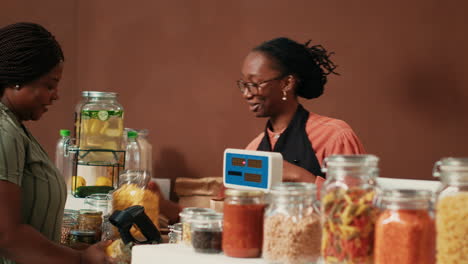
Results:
133 191
452 211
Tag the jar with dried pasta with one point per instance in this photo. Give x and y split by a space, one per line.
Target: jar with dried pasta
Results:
452 211
292 231
348 214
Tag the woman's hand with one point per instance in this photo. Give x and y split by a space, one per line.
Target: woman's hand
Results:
293 173
96 254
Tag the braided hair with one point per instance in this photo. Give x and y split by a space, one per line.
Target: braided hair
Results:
27 52
310 64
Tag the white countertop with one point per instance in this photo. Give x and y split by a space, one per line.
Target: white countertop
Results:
178 253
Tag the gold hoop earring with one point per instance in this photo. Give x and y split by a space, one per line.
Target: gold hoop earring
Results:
284 98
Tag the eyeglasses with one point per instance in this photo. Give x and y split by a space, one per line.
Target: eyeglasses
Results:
254 88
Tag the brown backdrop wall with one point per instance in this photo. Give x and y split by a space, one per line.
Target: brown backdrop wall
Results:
402 87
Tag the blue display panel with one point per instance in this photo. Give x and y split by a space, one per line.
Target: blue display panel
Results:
247 170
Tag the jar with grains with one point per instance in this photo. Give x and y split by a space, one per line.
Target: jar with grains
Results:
100 202
186 217
405 231
452 211
70 222
207 231
348 214
175 233
292 230
243 223
90 220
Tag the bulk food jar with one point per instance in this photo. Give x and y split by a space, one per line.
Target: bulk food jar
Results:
186 218
348 214
405 231
207 232
243 223
133 191
452 210
292 230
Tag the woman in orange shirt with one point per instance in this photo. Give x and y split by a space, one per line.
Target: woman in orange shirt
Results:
274 75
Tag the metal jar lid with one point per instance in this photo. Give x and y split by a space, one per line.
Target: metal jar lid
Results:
83 233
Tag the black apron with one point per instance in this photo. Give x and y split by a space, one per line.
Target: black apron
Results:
294 143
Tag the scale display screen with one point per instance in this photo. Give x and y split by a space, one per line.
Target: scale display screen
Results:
251 169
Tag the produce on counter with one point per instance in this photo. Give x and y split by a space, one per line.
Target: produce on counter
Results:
452 229
348 225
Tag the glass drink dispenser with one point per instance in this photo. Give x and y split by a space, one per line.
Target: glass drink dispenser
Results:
99 156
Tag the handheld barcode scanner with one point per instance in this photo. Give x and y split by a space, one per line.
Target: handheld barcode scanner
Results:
135 215
248 169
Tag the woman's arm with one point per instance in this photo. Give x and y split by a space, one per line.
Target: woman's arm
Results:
293 173
24 244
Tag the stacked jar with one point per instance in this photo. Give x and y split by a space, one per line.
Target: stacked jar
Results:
292 230
186 218
243 223
348 214
70 222
207 231
91 220
452 211
404 231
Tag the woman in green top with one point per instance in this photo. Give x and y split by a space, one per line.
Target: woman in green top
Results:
32 192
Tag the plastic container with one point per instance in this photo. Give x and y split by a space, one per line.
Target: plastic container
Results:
405 231
243 223
64 158
132 152
452 210
146 149
348 214
207 232
186 217
292 230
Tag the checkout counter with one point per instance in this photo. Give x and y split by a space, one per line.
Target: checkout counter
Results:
178 254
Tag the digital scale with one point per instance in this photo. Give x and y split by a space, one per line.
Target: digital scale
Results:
248 169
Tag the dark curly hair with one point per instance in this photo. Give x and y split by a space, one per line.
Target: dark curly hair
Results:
310 64
27 52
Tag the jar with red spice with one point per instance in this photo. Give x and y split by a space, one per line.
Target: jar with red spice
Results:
348 214
243 223
405 231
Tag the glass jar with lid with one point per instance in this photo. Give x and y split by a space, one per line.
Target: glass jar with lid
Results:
101 125
82 239
348 214
405 231
452 210
186 217
243 223
133 191
90 220
69 222
207 231
99 202
292 230
175 233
